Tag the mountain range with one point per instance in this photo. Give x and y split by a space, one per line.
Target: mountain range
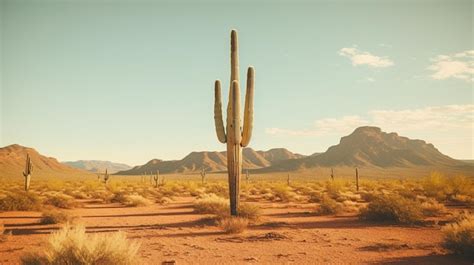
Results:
367 147
12 164
96 166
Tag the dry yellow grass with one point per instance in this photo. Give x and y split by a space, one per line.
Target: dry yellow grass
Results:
71 245
459 237
234 225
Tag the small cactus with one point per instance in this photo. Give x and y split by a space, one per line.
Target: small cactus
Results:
288 179
234 134
106 177
203 176
357 179
156 177
332 174
28 172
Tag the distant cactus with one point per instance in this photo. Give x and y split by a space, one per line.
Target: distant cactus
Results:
28 172
247 176
288 179
203 176
357 179
235 135
106 177
332 174
156 177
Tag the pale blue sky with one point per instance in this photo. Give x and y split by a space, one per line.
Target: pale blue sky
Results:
129 81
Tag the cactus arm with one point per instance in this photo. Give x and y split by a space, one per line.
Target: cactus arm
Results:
235 113
234 57
248 111
220 131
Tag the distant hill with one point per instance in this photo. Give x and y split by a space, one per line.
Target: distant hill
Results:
98 165
371 147
213 161
12 163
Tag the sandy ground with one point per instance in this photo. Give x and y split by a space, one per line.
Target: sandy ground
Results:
288 234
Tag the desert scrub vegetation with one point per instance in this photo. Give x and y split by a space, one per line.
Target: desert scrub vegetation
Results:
63 201
233 225
459 236
20 201
432 207
213 204
393 208
55 217
71 245
328 206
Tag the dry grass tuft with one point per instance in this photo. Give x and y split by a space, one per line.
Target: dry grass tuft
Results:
71 245
328 206
212 204
20 201
393 208
55 217
136 201
459 237
234 225
62 201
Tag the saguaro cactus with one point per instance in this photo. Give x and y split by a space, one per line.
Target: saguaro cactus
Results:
332 174
203 175
357 179
106 177
234 134
156 178
28 171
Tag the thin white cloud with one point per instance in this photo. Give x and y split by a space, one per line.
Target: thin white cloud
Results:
358 57
457 66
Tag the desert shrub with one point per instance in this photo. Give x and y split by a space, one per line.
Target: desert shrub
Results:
71 245
20 201
436 185
315 196
218 189
212 204
333 188
234 225
55 217
392 208
249 211
459 237
62 201
432 208
136 201
328 206
460 185
283 193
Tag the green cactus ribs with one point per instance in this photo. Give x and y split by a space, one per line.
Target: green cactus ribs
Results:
234 134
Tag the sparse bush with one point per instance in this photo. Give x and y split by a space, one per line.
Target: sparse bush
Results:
136 201
459 237
71 245
62 201
393 208
20 201
234 225
328 206
283 193
249 211
212 204
436 185
55 217
432 208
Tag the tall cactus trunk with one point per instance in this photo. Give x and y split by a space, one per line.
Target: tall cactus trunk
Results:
234 134
27 182
357 179
28 171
